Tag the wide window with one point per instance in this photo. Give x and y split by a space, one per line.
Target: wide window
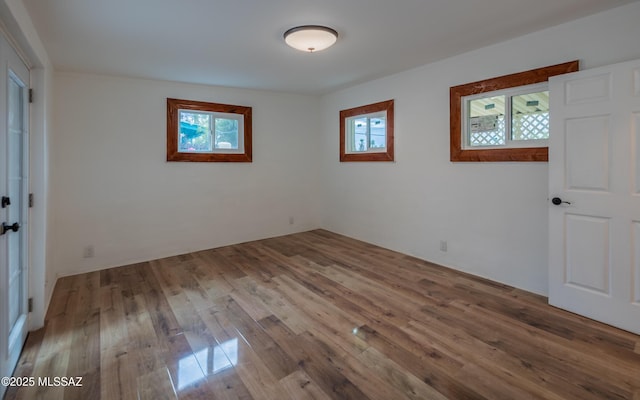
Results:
504 118
509 118
208 132
366 133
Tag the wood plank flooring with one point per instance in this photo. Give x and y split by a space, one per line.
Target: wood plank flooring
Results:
317 315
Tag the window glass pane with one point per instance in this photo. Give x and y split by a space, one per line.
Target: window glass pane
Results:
226 133
360 128
486 121
378 133
530 116
194 132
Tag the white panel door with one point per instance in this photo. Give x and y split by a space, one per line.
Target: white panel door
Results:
594 193
14 186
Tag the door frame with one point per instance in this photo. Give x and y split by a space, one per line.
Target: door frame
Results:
13 335
19 30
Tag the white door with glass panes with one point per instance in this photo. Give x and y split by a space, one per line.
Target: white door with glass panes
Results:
14 186
594 194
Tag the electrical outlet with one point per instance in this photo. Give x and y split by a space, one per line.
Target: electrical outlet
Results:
291 221
88 251
443 245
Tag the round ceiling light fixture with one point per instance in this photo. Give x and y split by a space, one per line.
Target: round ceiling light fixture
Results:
310 38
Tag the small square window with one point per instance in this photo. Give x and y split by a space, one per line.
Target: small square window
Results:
208 132
366 133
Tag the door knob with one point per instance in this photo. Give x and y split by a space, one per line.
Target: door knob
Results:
557 201
5 228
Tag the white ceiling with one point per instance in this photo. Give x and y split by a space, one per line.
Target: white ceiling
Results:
239 42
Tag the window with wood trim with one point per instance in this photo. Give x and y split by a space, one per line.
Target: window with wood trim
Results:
504 118
366 133
208 132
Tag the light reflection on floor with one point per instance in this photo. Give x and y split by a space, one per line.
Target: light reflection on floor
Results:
211 360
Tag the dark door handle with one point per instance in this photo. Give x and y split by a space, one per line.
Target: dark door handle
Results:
5 228
557 201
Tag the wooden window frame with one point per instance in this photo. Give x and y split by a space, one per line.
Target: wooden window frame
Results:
388 154
457 93
173 108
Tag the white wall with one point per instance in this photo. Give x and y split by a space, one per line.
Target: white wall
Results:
112 188
493 215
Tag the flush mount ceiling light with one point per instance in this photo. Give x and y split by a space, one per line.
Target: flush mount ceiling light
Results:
310 38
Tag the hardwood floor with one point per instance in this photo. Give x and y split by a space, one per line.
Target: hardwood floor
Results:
317 315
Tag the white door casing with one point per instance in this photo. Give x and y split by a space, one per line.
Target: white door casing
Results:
14 185
594 169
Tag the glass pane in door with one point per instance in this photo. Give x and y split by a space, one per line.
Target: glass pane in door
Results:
15 144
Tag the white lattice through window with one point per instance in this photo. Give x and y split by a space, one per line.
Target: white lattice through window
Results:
494 137
532 126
